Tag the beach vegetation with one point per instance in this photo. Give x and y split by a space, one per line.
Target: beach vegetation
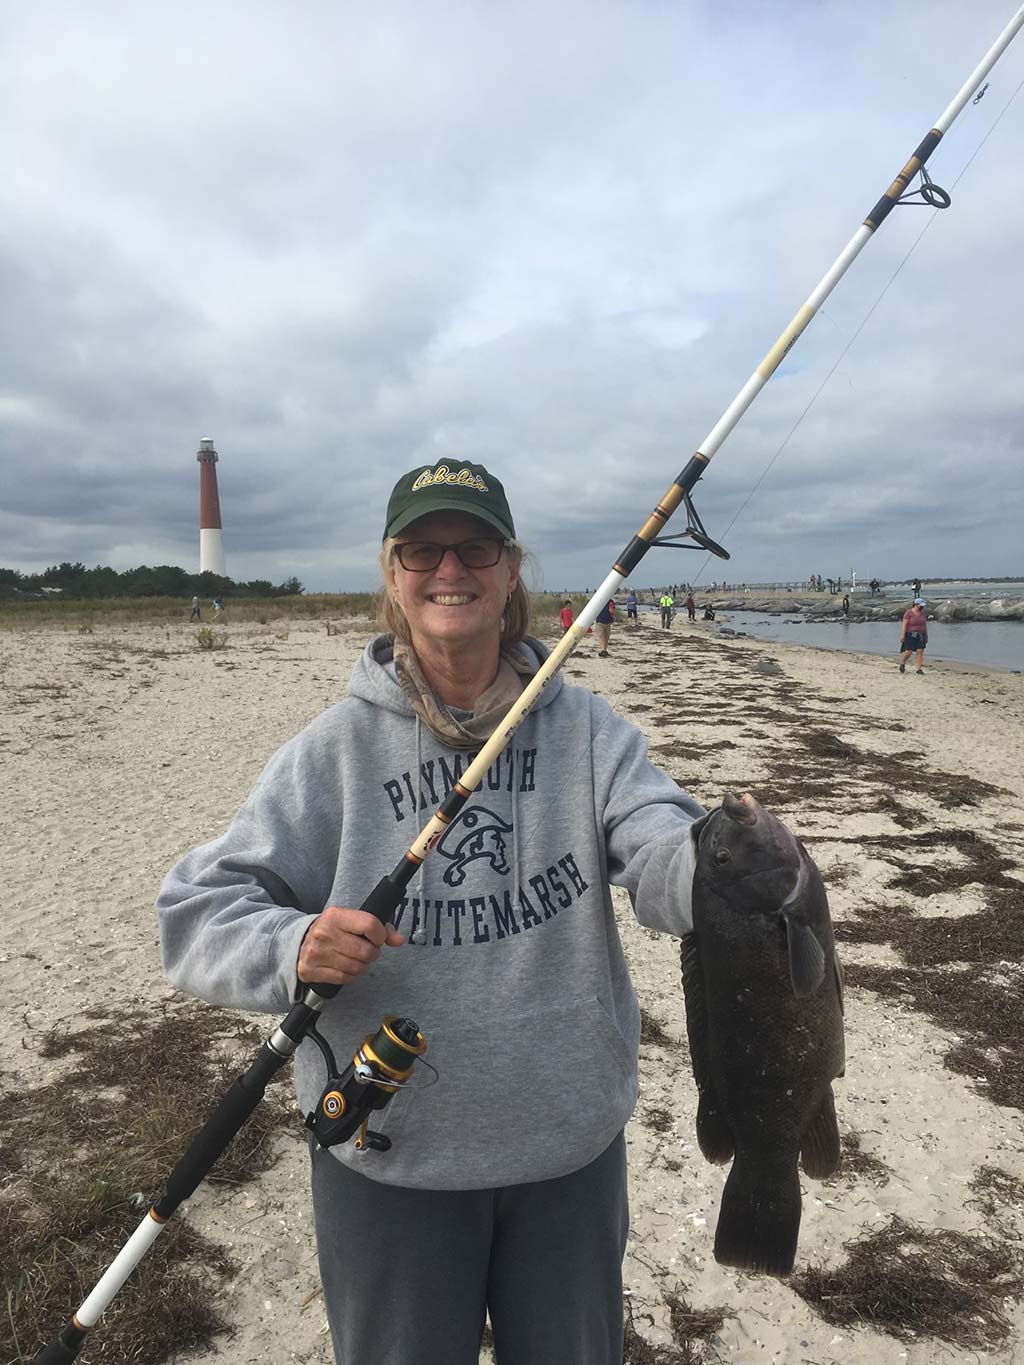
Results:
30 613
915 1282
83 1155
341 609
693 1332
208 638
652 1031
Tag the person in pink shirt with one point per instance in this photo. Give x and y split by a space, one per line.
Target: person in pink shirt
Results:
914 634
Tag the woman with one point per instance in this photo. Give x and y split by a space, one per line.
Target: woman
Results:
504 1190
914 634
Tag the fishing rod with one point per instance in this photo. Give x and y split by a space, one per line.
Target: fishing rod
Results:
382 1064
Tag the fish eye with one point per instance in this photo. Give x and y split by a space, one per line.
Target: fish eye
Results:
723 856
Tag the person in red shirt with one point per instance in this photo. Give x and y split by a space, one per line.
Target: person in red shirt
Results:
914 634
566 615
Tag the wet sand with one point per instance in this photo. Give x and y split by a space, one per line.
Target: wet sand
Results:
123 748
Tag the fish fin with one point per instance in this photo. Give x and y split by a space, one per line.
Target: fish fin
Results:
820 1151
806 957
696 1009
840 975
759 1221
714 1137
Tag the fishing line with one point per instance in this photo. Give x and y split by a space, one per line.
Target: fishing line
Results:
864 322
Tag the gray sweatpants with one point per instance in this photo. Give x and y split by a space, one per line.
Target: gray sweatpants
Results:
408 1275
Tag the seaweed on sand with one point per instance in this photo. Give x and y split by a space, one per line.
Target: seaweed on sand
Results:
857 1162
995 1190
651 1031
981 1010
692 1333
81 1157
911 1282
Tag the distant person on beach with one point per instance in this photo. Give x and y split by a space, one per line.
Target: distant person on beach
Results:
666 611
566 615
218 607
194 613
917 587
914 634
709 613
504 1190
631 609
845 608
603 628
691 607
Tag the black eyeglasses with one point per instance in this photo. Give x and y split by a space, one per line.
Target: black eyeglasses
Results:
420 556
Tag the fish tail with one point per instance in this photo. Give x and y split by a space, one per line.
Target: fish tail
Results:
759 1221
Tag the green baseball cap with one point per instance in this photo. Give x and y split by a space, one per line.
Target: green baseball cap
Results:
449 486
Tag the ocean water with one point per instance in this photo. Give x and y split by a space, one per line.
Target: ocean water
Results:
989 644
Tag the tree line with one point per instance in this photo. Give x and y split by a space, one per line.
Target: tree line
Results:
157 580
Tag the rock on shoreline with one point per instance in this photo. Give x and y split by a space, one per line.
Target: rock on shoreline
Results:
821 607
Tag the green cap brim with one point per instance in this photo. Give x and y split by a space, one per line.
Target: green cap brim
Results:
443 504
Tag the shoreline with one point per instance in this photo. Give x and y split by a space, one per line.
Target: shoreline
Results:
713 629
938 662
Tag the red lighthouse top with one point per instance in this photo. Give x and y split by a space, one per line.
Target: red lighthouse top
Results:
209 501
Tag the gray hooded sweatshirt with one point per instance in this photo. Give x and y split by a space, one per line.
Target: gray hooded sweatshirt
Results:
520 987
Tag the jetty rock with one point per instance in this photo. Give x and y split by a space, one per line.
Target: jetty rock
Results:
976 609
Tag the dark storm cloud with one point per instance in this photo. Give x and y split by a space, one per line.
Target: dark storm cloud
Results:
346 241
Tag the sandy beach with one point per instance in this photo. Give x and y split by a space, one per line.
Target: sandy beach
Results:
124 747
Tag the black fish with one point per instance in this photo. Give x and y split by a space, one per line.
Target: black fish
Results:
764 1015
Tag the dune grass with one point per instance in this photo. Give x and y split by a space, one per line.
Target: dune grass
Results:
86 615
73 613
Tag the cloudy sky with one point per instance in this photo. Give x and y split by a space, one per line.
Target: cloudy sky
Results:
348 239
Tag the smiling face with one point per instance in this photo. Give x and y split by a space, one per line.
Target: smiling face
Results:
452 605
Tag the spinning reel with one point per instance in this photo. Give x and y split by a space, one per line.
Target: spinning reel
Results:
381 1066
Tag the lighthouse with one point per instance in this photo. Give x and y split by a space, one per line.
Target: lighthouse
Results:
211 546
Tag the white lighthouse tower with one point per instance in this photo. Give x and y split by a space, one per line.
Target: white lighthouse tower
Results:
211 546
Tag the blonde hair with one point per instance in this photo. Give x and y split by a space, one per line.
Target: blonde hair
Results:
391 617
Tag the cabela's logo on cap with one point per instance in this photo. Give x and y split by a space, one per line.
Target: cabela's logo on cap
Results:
463 478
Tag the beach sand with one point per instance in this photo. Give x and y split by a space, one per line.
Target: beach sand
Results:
123 748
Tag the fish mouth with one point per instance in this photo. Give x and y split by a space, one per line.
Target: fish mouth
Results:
764 872
742 809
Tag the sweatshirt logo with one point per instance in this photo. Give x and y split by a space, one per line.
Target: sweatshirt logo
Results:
481 836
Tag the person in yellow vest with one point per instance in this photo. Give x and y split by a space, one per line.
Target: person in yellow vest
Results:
667 604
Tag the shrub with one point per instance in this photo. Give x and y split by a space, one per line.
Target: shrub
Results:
208 638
